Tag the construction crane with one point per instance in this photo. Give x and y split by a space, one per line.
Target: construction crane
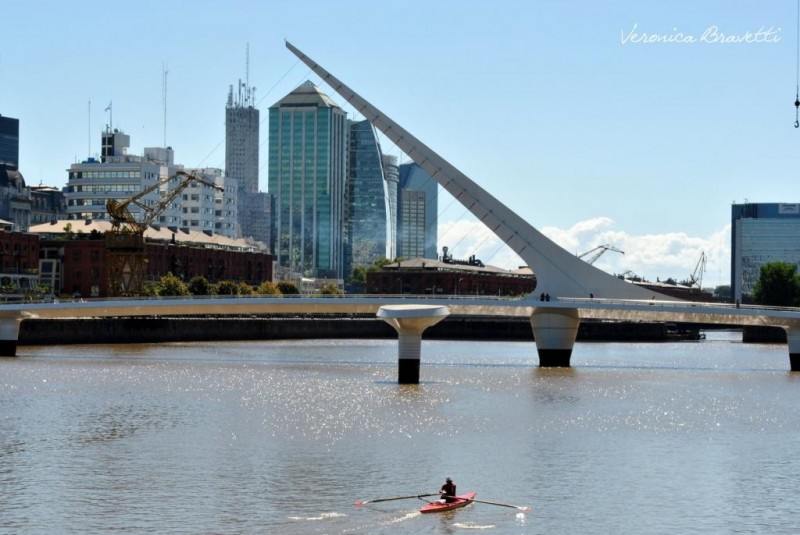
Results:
125 241
697 276
598 252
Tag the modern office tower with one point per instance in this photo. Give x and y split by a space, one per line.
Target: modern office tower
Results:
260 217
366 199
417 213
307 153
9 142
241 160
761 233
392 176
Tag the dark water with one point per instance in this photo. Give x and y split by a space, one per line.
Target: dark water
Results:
283 437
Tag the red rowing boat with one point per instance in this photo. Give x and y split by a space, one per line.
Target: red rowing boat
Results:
460 501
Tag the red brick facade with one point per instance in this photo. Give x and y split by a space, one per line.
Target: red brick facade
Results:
80 266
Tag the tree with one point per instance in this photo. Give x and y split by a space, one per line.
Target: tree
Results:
330 289
170 285
68 232
199 285
268 288
288 288
357 280
723 291
778 285
244 289
227 288
380 263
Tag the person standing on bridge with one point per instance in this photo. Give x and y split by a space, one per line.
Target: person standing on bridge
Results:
448 491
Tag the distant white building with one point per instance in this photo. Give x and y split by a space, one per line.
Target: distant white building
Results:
194 209
121 176
117 175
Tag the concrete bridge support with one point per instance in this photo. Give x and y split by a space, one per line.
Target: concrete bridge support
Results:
9 335
410 321
554 331
793 338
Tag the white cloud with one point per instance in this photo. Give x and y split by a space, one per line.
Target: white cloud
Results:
652 256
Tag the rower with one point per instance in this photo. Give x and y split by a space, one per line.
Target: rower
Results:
448 491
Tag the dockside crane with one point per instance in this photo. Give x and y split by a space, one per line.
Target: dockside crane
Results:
598 252
125 241
696 278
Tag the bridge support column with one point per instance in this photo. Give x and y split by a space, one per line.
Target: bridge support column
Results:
9 334
554 331
410 321
793 338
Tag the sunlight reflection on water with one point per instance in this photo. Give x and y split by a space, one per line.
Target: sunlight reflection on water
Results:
263 437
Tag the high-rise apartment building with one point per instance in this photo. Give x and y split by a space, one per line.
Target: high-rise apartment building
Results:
761 233
241 161
417 213
307 154
367 199
195 208
9 142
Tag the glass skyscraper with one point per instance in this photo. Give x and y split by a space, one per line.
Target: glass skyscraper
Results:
307 158
9 142
417 213
367 200
761 233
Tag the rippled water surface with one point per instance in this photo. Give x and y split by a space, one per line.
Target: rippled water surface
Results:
283 437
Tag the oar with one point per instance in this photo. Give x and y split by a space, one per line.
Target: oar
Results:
524 508
364 502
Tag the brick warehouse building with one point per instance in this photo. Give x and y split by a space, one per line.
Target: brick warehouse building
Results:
19 260
72 257
422 276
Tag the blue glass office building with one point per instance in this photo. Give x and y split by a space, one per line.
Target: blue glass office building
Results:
9 142
367 201
307 154
417 213
761 233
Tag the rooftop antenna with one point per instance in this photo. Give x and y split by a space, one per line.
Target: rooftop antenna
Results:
247 73
110 116
797 57
164 97
89 131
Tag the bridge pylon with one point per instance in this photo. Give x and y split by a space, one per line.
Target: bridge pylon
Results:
554 331
9 335
410 321
793 339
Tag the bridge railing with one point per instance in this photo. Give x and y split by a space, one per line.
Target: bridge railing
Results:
668 303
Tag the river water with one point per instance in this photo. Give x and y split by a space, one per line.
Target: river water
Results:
284 437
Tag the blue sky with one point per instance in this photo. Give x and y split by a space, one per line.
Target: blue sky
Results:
556 107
